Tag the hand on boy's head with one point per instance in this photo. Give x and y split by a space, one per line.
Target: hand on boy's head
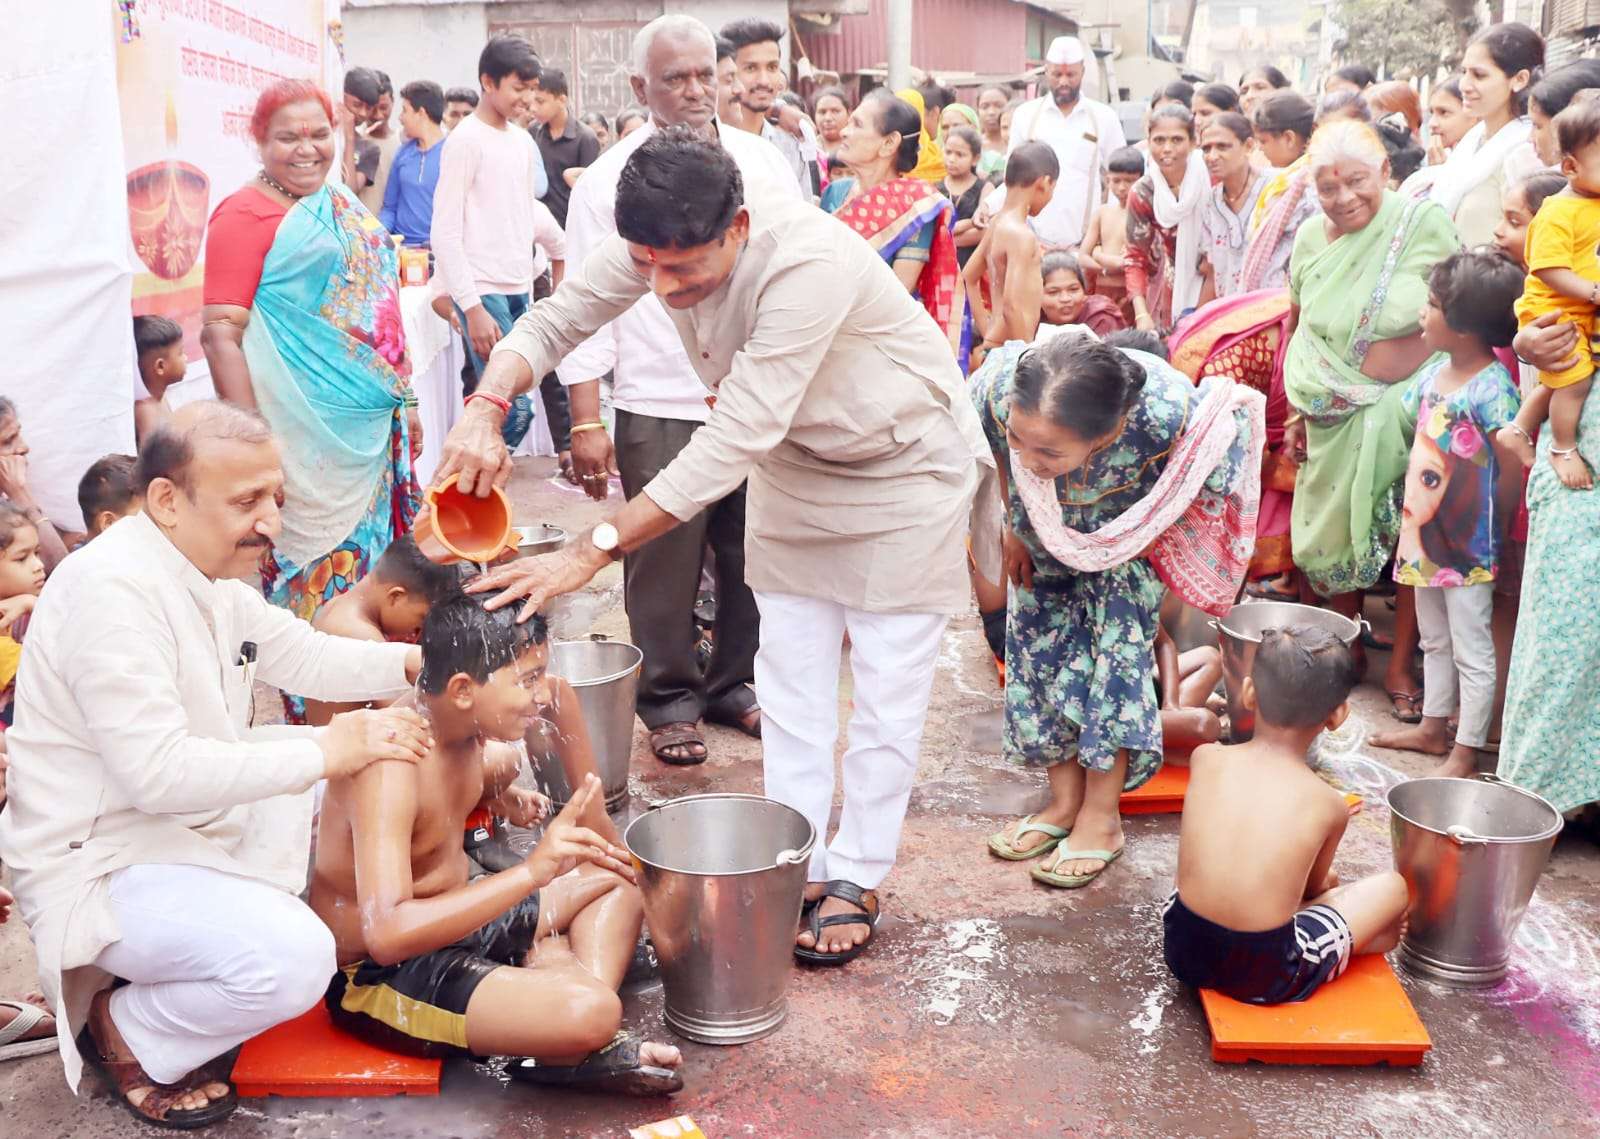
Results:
354 740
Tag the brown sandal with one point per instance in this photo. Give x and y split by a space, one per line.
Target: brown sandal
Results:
682 735
748 721
156 1108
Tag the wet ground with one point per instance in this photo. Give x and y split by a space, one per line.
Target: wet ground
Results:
992 1006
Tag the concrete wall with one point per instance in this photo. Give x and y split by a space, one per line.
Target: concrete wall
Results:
441 41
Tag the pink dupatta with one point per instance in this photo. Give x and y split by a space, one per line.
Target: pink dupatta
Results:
1199 543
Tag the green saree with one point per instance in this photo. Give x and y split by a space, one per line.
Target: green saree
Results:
1354 291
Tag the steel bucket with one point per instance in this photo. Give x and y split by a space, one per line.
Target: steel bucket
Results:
1471 852
1239 633
538 539
723 877
606 677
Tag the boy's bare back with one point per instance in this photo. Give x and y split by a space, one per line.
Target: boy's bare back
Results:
1258 835
340 617
421 809
1016 283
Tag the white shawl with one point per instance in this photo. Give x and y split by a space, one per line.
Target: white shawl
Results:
1474 161
1183 212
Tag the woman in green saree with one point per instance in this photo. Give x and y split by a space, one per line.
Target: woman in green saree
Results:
1357 285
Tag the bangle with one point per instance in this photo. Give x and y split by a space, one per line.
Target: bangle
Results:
489 397
592 425
408 399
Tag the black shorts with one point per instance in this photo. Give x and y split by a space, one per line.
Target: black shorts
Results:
419 1007
1266 967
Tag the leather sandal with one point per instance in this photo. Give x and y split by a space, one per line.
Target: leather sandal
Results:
815 923
681 735
156 1108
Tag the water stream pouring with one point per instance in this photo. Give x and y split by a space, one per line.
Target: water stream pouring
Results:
723 877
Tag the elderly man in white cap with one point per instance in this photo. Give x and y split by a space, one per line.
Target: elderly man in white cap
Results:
1081 131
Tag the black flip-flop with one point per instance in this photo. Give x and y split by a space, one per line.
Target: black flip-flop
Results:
615 1069
815 923
126 1075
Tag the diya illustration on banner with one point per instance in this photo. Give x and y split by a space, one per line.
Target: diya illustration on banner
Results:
168 202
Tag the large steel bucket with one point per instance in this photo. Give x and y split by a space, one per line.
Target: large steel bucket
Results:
606 677
1471 852
723 877
1239 633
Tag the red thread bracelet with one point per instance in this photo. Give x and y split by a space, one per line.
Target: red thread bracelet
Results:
499 401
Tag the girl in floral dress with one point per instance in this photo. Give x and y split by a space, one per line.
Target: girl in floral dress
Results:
1122 478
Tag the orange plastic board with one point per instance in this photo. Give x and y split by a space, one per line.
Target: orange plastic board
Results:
308 1056
1364 1017
1162 794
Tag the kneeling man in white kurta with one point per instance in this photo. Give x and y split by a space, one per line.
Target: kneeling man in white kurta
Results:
152 836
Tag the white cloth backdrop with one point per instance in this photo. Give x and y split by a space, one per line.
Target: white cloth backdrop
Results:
66 337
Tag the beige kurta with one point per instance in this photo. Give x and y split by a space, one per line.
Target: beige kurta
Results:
131 743
836 396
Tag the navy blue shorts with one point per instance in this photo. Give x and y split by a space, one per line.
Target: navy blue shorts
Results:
1266 967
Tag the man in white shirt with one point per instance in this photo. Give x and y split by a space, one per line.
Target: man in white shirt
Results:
660 402
152 835
758 59
1081 131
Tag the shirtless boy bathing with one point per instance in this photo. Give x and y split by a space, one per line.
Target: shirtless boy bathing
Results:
523 963
1106 239
1259 913
1010 253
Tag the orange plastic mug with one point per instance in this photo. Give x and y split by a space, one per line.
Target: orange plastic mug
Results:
456 527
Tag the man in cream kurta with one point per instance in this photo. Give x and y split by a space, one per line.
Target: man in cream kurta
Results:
151 834
838 398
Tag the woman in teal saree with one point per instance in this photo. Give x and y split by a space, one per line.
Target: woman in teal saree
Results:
302 321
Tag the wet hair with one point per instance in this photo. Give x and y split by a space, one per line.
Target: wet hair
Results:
592 119
508 55
426 96
1343 105
284 93
725 48
1476 290
12 520
892 114
460 636
969 136
1301 674
553 81
1535 188
461 95
677 191
1126 160
154 333
169 449
1030 162
751 30
1393 97
1059 261
1514 47
1402 149
106 485
1137 339
1078 384
1358 74
1178 91
403 564
1271 74
1578 126
1234 123
627 115
830 93
1219 95
1173 112
364 84
1556 91
1286 111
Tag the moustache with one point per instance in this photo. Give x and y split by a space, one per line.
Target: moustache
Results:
256 543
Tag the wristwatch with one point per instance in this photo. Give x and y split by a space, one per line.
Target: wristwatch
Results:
605 538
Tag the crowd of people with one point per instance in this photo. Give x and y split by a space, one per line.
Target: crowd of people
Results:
1297 345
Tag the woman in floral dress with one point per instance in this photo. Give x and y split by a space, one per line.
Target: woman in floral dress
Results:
302 320
1122 478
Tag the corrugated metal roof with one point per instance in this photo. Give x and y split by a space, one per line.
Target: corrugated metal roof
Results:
987 36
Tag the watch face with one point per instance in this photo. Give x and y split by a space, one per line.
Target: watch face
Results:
605 537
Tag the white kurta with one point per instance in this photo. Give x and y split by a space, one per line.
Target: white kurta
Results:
131 743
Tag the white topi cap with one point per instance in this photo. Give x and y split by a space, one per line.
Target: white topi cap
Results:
1065 49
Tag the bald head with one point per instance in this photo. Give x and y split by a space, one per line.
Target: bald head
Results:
675 71
170 449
